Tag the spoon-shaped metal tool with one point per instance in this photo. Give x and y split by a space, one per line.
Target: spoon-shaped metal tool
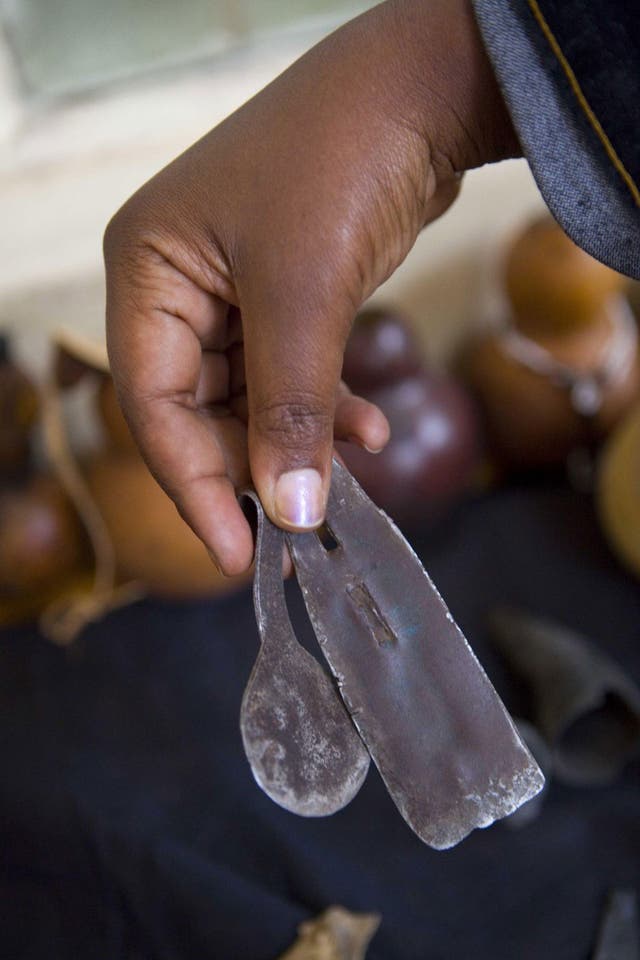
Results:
303 749
436 729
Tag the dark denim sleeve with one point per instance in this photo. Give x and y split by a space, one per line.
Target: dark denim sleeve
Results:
570 74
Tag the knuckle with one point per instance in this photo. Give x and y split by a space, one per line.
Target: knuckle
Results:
295 423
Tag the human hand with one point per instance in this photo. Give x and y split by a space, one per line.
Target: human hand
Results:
233 276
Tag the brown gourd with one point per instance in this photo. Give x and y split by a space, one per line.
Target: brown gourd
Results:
551 283
618 490
41 542
565 369
152 544
18 414
434 450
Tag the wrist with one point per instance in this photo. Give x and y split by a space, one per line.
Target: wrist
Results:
451 94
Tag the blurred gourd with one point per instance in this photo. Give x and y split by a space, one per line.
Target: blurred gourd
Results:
18 414
618 490
382 350
552 284
433 452
152 544
42 544
565 369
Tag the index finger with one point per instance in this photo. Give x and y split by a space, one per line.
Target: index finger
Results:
155 334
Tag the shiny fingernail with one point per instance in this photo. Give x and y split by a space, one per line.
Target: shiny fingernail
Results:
298 499
360 443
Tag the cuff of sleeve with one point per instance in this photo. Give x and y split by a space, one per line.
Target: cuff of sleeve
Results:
584 190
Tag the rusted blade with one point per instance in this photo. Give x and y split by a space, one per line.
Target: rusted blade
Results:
303 749
440 736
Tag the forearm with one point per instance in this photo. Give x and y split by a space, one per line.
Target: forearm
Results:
445 85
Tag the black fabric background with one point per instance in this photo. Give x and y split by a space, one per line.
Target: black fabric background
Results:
130 826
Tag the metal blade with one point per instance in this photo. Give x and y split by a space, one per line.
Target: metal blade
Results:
436 729
303 749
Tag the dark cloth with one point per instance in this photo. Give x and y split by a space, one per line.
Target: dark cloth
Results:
570 74
130 826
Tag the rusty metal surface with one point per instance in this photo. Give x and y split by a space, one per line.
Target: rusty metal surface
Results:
303 749
441 738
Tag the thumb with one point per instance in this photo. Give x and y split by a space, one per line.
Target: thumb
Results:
293 364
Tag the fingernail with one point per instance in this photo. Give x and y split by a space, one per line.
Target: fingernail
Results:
360 443
298 498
